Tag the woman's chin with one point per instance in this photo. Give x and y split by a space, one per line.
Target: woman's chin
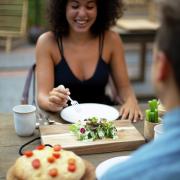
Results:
81 29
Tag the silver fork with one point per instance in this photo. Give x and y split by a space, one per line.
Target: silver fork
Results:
73 102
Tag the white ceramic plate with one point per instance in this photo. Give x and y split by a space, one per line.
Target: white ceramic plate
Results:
89 110
105 165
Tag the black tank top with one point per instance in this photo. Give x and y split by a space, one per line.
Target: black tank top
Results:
91 90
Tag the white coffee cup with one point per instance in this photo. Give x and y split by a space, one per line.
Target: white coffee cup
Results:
24 119
158 131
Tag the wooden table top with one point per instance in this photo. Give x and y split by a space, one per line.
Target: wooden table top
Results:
10 143
137 36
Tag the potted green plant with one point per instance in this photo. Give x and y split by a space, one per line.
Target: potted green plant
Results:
151 119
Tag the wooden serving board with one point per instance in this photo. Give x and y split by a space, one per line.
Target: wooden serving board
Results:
129 138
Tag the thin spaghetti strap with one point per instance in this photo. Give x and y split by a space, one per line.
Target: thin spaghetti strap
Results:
60 46
101 42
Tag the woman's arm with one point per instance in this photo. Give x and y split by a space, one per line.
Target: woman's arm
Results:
48 97
129 108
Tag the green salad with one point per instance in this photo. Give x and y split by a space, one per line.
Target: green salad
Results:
94 128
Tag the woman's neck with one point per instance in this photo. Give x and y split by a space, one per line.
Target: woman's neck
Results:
80 38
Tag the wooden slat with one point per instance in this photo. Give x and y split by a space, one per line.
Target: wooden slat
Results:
8 29
145 9
10 13
13 19
136 8
11 10
135 25
135 2
10 21
11 7
11 2
24 16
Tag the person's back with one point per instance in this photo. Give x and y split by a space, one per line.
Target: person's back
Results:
160 159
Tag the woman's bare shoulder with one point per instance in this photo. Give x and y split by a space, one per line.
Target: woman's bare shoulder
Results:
113 41
46 39
112 36
47 47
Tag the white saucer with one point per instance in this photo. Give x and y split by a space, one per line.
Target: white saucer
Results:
105 165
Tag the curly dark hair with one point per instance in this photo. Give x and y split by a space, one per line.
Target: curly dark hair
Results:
108 11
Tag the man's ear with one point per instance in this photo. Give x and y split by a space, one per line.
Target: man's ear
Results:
163 66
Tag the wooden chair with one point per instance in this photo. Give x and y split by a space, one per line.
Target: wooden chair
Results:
13 20
145 9
138 25
30 80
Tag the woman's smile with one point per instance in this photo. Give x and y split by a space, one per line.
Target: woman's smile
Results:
81 23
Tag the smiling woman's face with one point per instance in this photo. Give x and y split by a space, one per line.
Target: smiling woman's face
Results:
81 14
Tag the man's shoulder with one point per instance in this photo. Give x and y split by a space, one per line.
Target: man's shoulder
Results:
149 161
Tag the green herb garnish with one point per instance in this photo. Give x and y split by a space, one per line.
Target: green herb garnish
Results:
93 128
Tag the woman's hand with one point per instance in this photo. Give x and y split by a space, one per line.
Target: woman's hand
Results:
130 110
58 98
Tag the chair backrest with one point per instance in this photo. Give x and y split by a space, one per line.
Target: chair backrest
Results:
140 8
111 91
30 79
13 17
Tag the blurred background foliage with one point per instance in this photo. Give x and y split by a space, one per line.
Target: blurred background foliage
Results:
37 21
37 13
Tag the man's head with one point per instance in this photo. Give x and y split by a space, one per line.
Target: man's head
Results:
166 61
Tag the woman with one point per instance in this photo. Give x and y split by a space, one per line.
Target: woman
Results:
80 52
